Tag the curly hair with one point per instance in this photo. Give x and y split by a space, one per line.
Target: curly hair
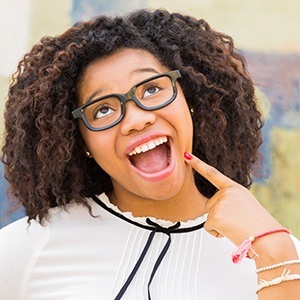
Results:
43 150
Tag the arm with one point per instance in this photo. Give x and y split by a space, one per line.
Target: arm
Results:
236 214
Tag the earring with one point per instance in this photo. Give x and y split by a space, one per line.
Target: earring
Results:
192 111
88 154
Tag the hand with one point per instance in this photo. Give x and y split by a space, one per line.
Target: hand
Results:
233 211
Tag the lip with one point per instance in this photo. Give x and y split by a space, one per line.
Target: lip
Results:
152 177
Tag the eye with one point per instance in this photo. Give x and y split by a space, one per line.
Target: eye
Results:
102 111
150 90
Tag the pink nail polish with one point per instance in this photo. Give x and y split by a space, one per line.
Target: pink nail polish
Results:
187 156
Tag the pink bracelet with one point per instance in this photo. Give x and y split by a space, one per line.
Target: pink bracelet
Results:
245 247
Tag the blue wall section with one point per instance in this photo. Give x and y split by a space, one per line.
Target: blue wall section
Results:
6 218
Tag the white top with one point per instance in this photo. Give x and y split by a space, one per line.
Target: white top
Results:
75 256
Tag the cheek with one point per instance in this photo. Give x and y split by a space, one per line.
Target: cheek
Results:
104 152
100 144
181 113
184 121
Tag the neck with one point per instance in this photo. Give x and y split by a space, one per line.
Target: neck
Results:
188 204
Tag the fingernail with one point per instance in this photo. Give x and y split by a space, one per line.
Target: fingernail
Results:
187 156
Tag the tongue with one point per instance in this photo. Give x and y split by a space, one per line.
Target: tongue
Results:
153 160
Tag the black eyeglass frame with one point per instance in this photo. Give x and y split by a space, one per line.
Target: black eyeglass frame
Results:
129 96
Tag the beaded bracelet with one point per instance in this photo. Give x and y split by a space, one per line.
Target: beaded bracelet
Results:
245 247
281 264
284 277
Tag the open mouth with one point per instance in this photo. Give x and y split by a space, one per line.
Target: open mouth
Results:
151 157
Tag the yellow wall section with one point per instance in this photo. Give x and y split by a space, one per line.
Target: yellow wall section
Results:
256 25
280 195
48 17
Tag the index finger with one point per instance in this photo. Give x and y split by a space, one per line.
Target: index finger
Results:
219 180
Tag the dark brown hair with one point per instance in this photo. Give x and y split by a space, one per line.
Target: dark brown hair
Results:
43 152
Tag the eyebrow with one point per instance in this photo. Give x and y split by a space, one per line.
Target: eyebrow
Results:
135 71
91 97
145 70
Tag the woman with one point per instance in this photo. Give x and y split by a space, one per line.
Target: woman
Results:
101 122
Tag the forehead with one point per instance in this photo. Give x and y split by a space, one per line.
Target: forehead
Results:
117 72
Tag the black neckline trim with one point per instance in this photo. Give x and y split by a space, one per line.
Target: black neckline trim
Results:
158 228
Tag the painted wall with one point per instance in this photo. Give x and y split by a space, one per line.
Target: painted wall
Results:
266 31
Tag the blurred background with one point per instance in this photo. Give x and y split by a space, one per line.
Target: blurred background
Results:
268 34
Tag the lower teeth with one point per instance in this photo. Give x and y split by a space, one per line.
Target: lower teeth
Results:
168 156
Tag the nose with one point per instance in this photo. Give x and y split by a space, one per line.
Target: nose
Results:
136 119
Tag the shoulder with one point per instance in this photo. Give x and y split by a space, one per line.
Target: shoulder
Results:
20 233
22 244
19 243
21 239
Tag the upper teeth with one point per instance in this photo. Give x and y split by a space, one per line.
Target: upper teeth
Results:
149 145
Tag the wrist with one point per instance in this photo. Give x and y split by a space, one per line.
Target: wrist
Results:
246 248
273 249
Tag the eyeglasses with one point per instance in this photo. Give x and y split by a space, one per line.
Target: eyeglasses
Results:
150 94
